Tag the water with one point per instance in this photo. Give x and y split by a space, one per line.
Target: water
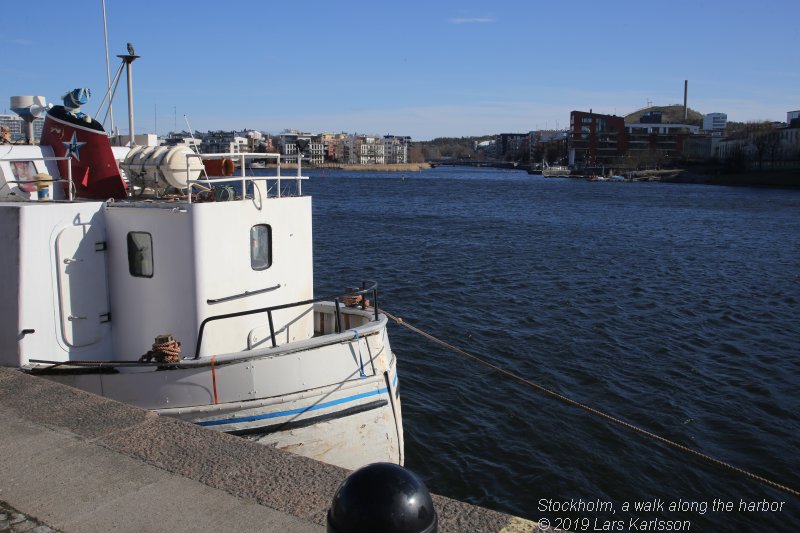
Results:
673 307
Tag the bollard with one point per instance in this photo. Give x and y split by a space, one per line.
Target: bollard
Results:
382 497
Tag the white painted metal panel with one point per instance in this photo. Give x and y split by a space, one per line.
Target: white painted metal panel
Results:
83 295
310 369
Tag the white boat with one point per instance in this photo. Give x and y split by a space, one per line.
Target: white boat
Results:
188 295
555 170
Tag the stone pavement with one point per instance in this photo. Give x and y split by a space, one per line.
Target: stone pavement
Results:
79 462
12 521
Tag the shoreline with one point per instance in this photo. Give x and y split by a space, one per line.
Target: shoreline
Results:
396 167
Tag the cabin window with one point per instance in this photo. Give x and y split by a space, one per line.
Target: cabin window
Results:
260 247
140 254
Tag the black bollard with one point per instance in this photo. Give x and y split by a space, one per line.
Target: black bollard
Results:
382 497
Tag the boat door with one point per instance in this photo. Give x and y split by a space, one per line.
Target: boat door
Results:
82 285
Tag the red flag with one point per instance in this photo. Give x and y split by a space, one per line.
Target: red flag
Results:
94 169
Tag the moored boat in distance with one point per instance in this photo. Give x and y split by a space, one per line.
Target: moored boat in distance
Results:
188 294
549 171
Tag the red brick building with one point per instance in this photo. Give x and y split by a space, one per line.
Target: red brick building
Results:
595 139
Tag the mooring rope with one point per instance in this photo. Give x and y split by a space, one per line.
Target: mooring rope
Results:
165 350
596 412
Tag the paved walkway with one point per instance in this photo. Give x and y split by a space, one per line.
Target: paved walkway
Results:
12 521
78 462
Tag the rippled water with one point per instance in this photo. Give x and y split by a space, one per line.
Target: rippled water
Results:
674 307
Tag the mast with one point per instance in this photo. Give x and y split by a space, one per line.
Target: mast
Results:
108 67
129 58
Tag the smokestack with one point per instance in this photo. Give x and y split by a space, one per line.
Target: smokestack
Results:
685 95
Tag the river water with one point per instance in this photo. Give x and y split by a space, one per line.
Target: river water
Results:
674 307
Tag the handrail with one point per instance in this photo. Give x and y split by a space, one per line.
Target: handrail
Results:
71 187
373 288
241 295
243 178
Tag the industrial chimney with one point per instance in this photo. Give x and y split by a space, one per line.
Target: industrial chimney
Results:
685 95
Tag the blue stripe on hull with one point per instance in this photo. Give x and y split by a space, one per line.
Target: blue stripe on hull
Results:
298 411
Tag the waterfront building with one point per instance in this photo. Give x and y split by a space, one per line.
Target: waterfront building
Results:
512 146
767 147
792 117
396 149
255 141
487 148
314 152
655 144
183 138
370 150
333 147
595 139
223 142
548 146
715 122
16 127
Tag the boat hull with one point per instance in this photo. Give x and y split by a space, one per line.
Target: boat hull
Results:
334 398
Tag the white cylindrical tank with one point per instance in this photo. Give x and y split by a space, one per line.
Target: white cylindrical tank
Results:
162 166
176 168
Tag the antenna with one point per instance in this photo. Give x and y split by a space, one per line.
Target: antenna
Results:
191 134
127 59
108 67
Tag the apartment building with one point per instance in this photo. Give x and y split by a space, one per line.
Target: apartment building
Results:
396 149
16 127
595 139
715 122
314 152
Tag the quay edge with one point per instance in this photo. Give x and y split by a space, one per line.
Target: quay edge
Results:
77 461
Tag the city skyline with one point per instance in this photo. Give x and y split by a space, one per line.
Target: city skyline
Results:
424 70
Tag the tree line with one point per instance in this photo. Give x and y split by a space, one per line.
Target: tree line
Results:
447 148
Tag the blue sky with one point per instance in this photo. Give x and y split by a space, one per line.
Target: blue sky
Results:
424 69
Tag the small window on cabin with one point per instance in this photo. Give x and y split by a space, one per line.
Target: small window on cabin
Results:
260 247
140 254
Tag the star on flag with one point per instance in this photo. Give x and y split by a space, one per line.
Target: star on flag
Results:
73 146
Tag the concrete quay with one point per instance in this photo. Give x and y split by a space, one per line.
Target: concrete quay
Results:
72 461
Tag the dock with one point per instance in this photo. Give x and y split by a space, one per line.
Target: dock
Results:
75 462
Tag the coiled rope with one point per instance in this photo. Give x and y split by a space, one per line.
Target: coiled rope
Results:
596 412
165 350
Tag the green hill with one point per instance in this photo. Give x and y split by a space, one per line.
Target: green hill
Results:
669 114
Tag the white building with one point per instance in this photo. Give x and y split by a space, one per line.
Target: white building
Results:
765 146
714 122
660 129
370 150
396 149
314 152
223 142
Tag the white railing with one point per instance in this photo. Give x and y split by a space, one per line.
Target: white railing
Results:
209 181
71 189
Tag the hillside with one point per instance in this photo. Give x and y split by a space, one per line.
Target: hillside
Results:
669 114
